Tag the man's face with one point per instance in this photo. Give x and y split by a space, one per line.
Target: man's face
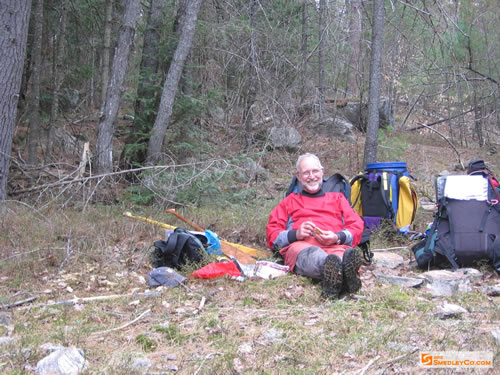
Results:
310 174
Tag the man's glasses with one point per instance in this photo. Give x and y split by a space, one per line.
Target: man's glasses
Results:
312 172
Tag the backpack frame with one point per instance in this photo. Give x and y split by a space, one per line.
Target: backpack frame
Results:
385 191
464 231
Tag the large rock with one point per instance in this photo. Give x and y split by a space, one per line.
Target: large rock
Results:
333 127
285 137
357 114
388 260
449 283
65 361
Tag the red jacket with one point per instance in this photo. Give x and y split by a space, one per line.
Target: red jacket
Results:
329 211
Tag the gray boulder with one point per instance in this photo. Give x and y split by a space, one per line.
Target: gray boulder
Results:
357 114
65 361
333 127
284 137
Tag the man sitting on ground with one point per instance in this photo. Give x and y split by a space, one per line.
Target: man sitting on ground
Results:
317 231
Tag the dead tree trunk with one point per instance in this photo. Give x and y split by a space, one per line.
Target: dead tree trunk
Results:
252 79
34 107
321 60
371 143
106 50
104 149
58 76
355 43
14 18
172 81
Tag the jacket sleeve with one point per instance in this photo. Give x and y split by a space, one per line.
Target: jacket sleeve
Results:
353 223
278 230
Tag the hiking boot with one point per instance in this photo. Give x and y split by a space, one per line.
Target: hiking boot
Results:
331 283
350 267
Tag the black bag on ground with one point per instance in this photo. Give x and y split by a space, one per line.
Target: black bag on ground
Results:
181 247
466 227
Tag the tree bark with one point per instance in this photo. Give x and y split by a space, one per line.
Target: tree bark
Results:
107 121
172 81
147 92
252 78
303 52
321 60
355 43
14 18
370 154
34 107
58 77
106 51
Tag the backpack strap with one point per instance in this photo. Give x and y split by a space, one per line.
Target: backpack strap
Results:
495 254
175 244
294 186
449 253
352 182
385 190
429 243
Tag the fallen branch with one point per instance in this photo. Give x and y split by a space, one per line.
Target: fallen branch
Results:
448 141
77 300
440 121
204 359
391 361
17 303
64 181
391 248
363 370
123 326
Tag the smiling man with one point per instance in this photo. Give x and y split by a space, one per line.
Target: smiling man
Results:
316 232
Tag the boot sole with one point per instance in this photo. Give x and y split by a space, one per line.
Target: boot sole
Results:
332 277
351 264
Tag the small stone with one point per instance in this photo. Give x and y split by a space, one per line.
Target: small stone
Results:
449 310
491 290
408 282
141 364
496 336
389 260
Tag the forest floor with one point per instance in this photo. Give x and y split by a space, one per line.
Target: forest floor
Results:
79 278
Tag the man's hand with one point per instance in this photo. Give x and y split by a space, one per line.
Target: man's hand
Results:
324 237
327 238
306 229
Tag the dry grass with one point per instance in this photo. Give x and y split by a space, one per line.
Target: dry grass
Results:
255 327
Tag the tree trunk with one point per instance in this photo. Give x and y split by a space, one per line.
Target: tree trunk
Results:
252 78
14 18
370 155
172 81
34 107
147 90
303 51
58 76
107 121
106 51
355 43
321 60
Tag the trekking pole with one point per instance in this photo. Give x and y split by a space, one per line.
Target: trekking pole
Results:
148 220
179 216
